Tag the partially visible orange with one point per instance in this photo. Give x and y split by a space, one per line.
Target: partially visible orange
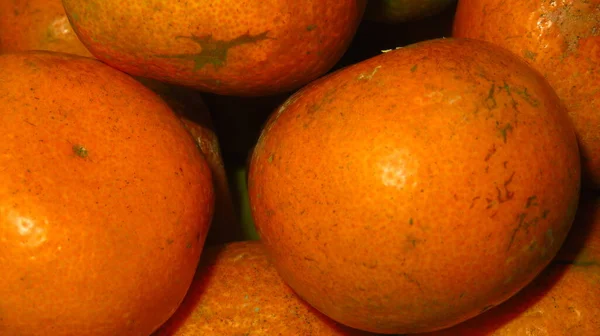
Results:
564 300
105 200
37 25
43 25
237 291
232 47
416 189
561 39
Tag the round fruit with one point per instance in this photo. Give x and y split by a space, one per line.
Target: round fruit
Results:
43 25
416 189
232 47
105 200
237 291
396 11
561 39
37 25
563 300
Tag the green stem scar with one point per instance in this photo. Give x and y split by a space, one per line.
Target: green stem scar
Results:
80 151
214 51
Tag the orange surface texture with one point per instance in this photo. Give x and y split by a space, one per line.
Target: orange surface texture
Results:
561 39
234 47
106 200
446 171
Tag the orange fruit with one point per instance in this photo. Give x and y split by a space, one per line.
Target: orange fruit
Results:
243 48
105 200
369 186
563 300
561 39
237 291
43 25
37 25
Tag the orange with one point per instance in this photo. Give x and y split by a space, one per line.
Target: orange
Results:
563 300
105 200
43 25
232 47
237 291
418 188
37 25
561 39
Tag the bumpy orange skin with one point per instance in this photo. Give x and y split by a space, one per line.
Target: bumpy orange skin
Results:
562 40
563 300
234 47
105 200
237 291
37 25
43 25
411 191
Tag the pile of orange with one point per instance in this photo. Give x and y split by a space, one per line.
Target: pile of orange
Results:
227 168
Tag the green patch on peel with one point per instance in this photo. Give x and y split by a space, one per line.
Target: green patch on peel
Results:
504 130
490 101
529 55
412 240
311 27
521 92
531 201
414 68
214 51
80 151
75 17
526 220
545 213
527 97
